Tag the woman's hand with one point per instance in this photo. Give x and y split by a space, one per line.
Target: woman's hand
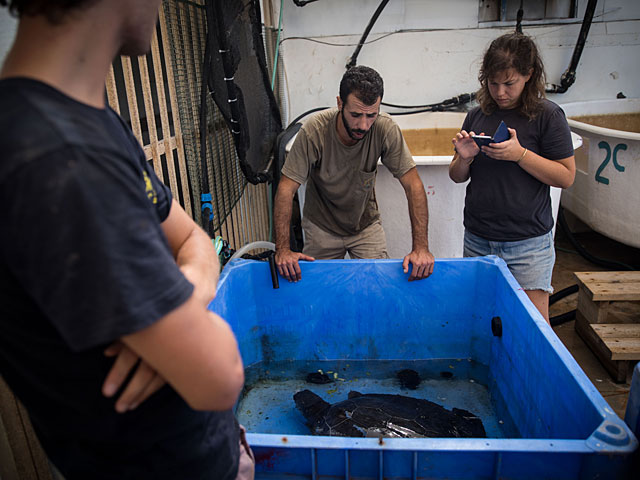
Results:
556 173
466 151
509 150
465 146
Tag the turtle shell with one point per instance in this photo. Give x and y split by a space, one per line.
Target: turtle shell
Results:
385 415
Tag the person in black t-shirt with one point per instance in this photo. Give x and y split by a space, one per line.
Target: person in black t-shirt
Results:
507 205
96 255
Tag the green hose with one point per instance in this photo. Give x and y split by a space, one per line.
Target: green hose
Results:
273 81
275 60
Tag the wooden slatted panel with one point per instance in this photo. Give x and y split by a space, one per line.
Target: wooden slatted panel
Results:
150 116
612 277
245 209
164 117
132 100
615 291
164 146
611 285
622 341
176 140
248 221
112 92
169 146
618 330
594 312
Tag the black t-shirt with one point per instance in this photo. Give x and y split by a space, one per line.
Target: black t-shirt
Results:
503 202
83 262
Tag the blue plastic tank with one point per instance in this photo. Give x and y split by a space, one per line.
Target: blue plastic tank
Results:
361 319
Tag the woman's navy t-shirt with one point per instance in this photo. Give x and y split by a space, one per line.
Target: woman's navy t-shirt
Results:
503 202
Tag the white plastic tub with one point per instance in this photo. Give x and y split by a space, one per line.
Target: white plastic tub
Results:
606 192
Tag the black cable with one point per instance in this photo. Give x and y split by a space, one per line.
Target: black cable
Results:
435 107
519 18
565 292
453 101
354 57
562 318
302 115
610 264
567 316
302 3
422 110
394 105
569 76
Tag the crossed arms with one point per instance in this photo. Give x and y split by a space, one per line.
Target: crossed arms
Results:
190 348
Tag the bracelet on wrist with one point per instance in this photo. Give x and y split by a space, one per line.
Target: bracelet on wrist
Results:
522 156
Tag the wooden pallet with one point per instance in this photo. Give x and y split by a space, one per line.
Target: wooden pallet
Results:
615 344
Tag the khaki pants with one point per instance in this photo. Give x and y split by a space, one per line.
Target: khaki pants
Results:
369 243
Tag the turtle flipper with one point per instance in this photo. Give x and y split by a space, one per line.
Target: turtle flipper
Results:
472 425
311 405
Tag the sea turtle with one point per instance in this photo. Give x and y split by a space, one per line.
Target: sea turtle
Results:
385 415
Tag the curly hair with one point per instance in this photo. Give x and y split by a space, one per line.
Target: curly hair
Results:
53 10
364 82
519 52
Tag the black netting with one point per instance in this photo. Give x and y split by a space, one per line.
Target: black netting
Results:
218 55
238 81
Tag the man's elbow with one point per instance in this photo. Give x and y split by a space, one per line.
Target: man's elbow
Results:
221 396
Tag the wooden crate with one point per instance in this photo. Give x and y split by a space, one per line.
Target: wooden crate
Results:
615 344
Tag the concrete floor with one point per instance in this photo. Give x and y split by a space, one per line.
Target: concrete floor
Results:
569 261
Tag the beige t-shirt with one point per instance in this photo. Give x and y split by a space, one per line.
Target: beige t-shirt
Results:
340 196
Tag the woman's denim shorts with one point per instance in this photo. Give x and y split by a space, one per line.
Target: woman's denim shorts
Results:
530 261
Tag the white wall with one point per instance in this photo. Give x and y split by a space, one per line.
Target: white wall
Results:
8 26
430 66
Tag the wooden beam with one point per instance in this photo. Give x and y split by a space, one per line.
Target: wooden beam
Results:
594 312
617 369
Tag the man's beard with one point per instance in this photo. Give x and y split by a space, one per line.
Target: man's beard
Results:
351 131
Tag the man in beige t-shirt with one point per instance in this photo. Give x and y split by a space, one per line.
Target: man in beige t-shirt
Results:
336 152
